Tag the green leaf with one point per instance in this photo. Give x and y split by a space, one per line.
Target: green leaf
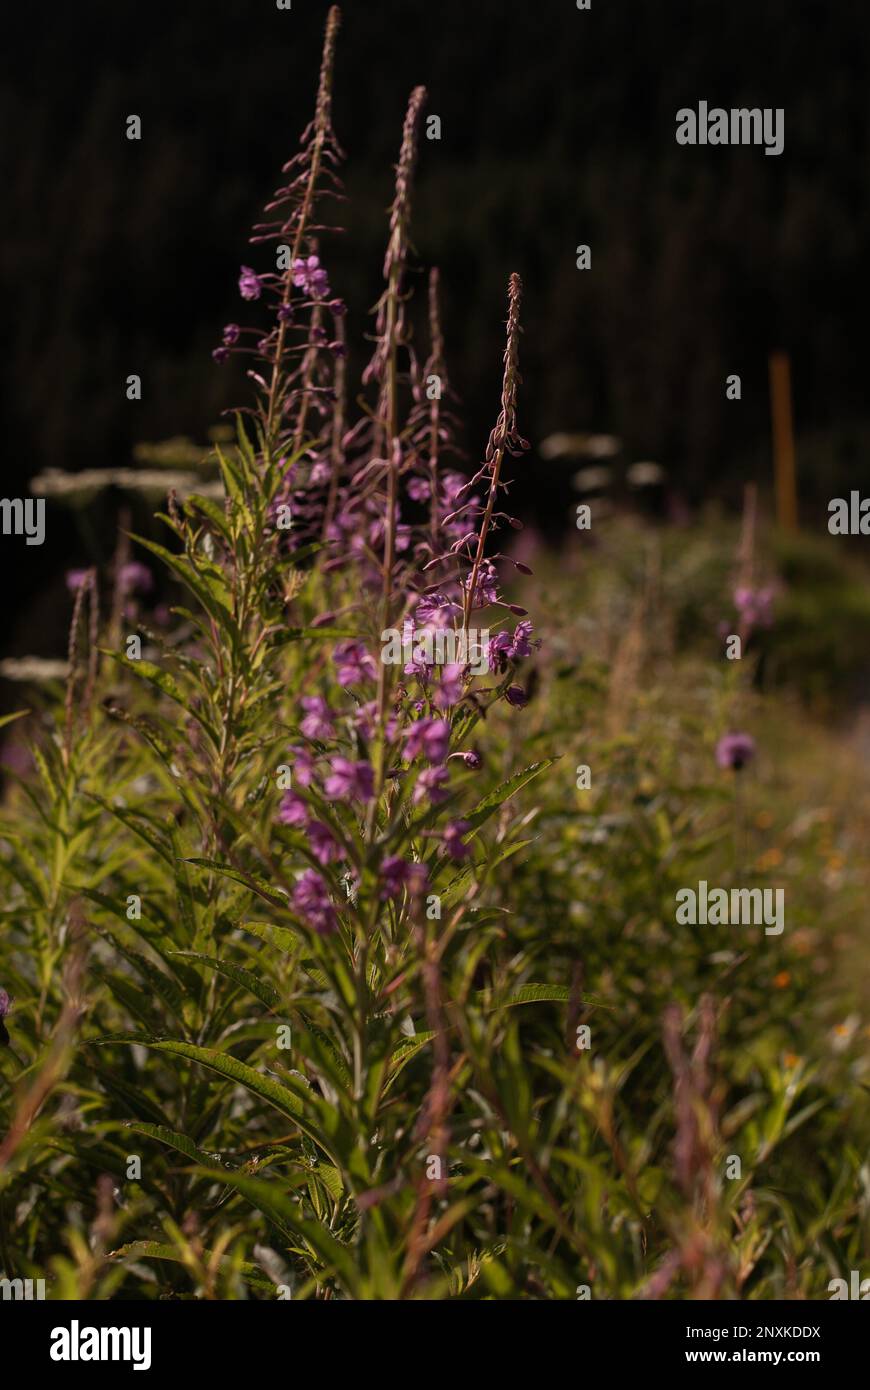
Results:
257 885
268 1198
245 979
154 1250
173 1140
286 1095
485 808
9 718
404 1052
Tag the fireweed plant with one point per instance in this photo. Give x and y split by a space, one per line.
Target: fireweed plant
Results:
309 806
276 1015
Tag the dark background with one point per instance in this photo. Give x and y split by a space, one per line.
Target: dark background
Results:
558 128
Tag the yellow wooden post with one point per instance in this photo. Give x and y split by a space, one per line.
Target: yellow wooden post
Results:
783 441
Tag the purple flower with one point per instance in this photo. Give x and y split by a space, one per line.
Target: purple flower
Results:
436 610
231 334
324 847
415 639
497 651
504 648
220 354
135 578
755 606
285 313
431 737
365 718
486 588
418 489
430 783
309 276
317 722
293 810
354 663
350 781
735 750
521 645
516 696
5 1003
453 841
452 484
471 758
75 579
396 872
303 766
450 686
311 899
250 285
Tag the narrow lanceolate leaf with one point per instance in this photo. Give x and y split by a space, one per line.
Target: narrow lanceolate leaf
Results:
268 1198
245 979
8 718
485 808
167 685
403 1054
535 994
166 988
296 634
173 1140
280 937
154 1250
287 1095
257 885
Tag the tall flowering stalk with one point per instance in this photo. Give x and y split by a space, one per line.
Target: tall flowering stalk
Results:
299 295
504 436
391 333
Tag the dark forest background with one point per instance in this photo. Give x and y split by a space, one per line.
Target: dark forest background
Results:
557 128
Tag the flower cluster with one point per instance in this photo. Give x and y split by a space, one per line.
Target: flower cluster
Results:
754 607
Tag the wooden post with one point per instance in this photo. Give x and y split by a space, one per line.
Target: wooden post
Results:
783 441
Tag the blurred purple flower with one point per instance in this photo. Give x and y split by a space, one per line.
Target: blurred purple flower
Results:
396 872
755 606
75 579
430 783
418 489
431 737
303 766
135 577
311 899
354 663
293 810
317 722
350 781
231 334
450 686
735 750
324 846
453 841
